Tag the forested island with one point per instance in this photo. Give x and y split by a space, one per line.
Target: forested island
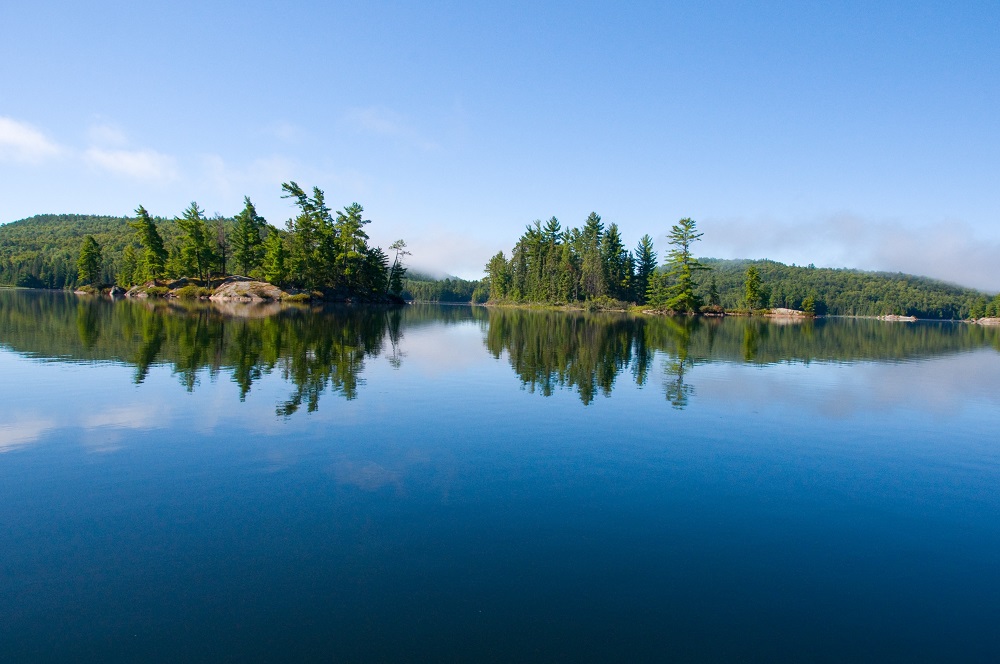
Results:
591 267
323 254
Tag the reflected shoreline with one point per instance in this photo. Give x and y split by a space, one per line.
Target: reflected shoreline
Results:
322 348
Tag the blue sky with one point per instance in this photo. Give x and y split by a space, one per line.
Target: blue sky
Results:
850 134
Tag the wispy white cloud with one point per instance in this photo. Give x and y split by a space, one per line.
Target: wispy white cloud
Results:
146 165
951 250
21 142
385 122
107 135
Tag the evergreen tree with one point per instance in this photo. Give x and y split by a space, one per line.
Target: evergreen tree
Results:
222 248
498 276
592 280
90 262
126 276
809 305
275 259
398 270
351 243
154 255
248 238
196 251
752 289
614 261
681 266
313 239
713 293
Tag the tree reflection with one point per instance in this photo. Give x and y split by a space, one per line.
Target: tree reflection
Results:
316 350
323 350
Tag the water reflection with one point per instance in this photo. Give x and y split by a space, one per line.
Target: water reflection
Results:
315 349
589 352
319 350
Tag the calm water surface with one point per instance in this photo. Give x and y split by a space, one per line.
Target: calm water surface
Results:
457 484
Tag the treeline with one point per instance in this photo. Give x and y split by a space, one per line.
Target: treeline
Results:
591 265
844 292
42 251
422 288
549 264
319 250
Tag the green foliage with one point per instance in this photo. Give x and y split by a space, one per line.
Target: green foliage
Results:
645 266
752 289
423 289
677 291
498 278
196 253
312 253
841 292
90 261
330 254
275 265
398 270
248 239
152 260
192 291
551 265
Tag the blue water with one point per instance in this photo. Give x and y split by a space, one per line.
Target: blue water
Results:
812 504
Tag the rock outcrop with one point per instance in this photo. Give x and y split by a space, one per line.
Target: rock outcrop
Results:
243 289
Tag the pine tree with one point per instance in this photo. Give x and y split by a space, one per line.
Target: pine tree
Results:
592 281
614 262
752 289
275 259
681 266
645 266
351 242
126 276
248 238
154 255
90 262
196 250
313 238
398 270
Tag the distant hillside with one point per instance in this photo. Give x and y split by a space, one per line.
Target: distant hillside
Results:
843 292
423 288
41 251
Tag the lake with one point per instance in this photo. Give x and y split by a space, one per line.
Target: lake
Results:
186 481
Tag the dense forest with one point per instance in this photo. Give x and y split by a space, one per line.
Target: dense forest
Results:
319 250
451 290
590 265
